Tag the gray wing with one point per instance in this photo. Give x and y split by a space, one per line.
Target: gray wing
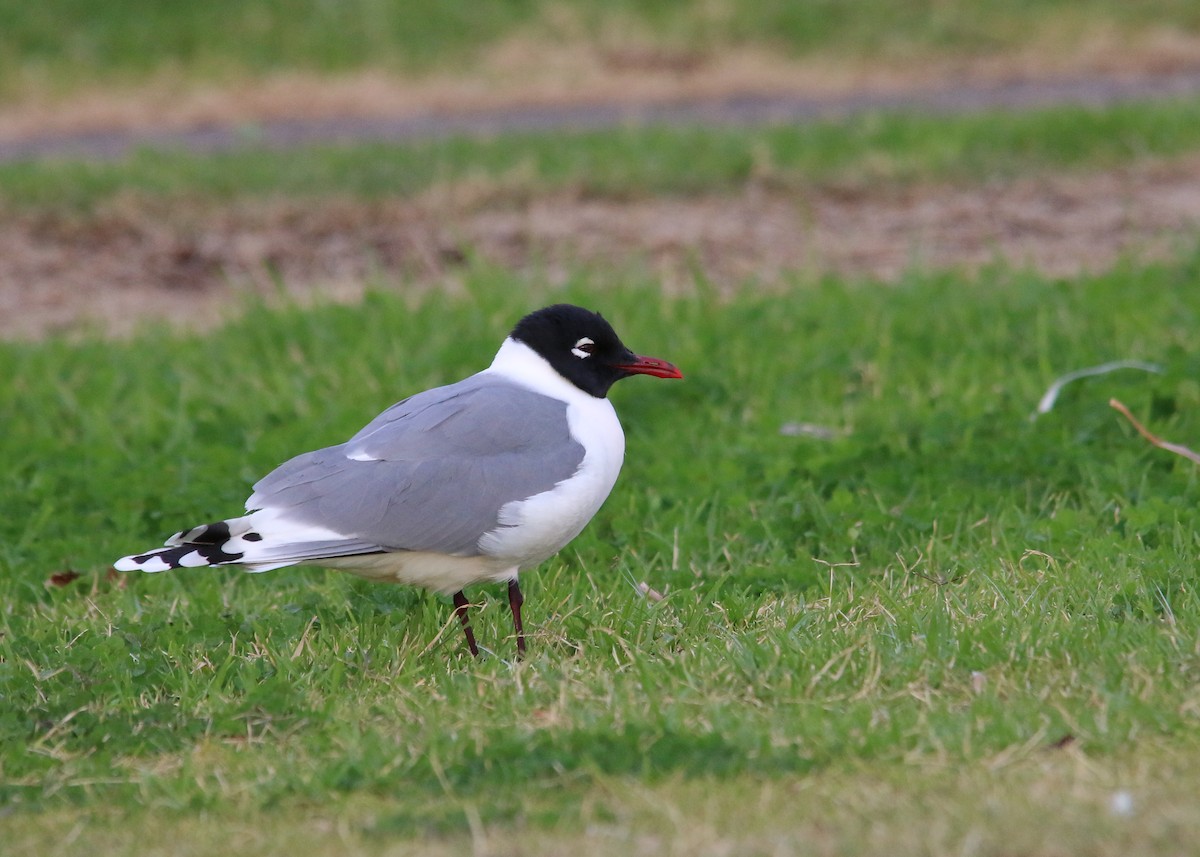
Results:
431 472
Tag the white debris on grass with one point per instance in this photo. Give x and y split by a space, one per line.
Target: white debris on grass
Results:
1120 803
1051 395
808 430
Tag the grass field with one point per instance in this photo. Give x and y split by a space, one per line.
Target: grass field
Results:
933 622
901 616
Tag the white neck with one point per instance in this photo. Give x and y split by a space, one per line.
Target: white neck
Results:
520 364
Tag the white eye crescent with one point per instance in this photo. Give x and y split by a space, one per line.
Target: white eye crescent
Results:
583 347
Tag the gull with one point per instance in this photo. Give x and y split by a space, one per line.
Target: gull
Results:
469 483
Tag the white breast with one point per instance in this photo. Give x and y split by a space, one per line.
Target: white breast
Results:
533 529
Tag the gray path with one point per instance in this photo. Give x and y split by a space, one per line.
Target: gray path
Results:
734 110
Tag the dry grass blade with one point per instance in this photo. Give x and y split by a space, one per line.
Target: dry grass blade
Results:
650 594
1155 439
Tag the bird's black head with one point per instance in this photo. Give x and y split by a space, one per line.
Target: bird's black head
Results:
584 349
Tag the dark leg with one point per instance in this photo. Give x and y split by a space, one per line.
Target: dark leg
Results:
460 607
515 600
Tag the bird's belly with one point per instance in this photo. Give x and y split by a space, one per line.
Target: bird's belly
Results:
434 571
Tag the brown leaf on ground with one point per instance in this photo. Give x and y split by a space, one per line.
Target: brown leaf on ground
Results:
62 578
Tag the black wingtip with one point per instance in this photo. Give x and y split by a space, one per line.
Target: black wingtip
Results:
167 559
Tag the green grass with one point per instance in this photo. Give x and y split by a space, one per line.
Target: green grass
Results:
64 44
859 151
941 629
882 638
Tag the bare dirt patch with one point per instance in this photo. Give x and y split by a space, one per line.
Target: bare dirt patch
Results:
140 258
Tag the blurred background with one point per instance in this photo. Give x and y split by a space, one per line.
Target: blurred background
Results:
81 64
152 154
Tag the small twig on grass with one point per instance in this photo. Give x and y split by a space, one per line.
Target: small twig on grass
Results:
832 565
1051 395
1155 439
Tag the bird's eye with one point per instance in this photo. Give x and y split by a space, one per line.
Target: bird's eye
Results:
583 347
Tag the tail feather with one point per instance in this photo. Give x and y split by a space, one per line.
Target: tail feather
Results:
218 543
216 533
260 541
182 556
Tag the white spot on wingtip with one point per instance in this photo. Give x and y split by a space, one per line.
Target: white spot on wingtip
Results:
192 560
152 564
